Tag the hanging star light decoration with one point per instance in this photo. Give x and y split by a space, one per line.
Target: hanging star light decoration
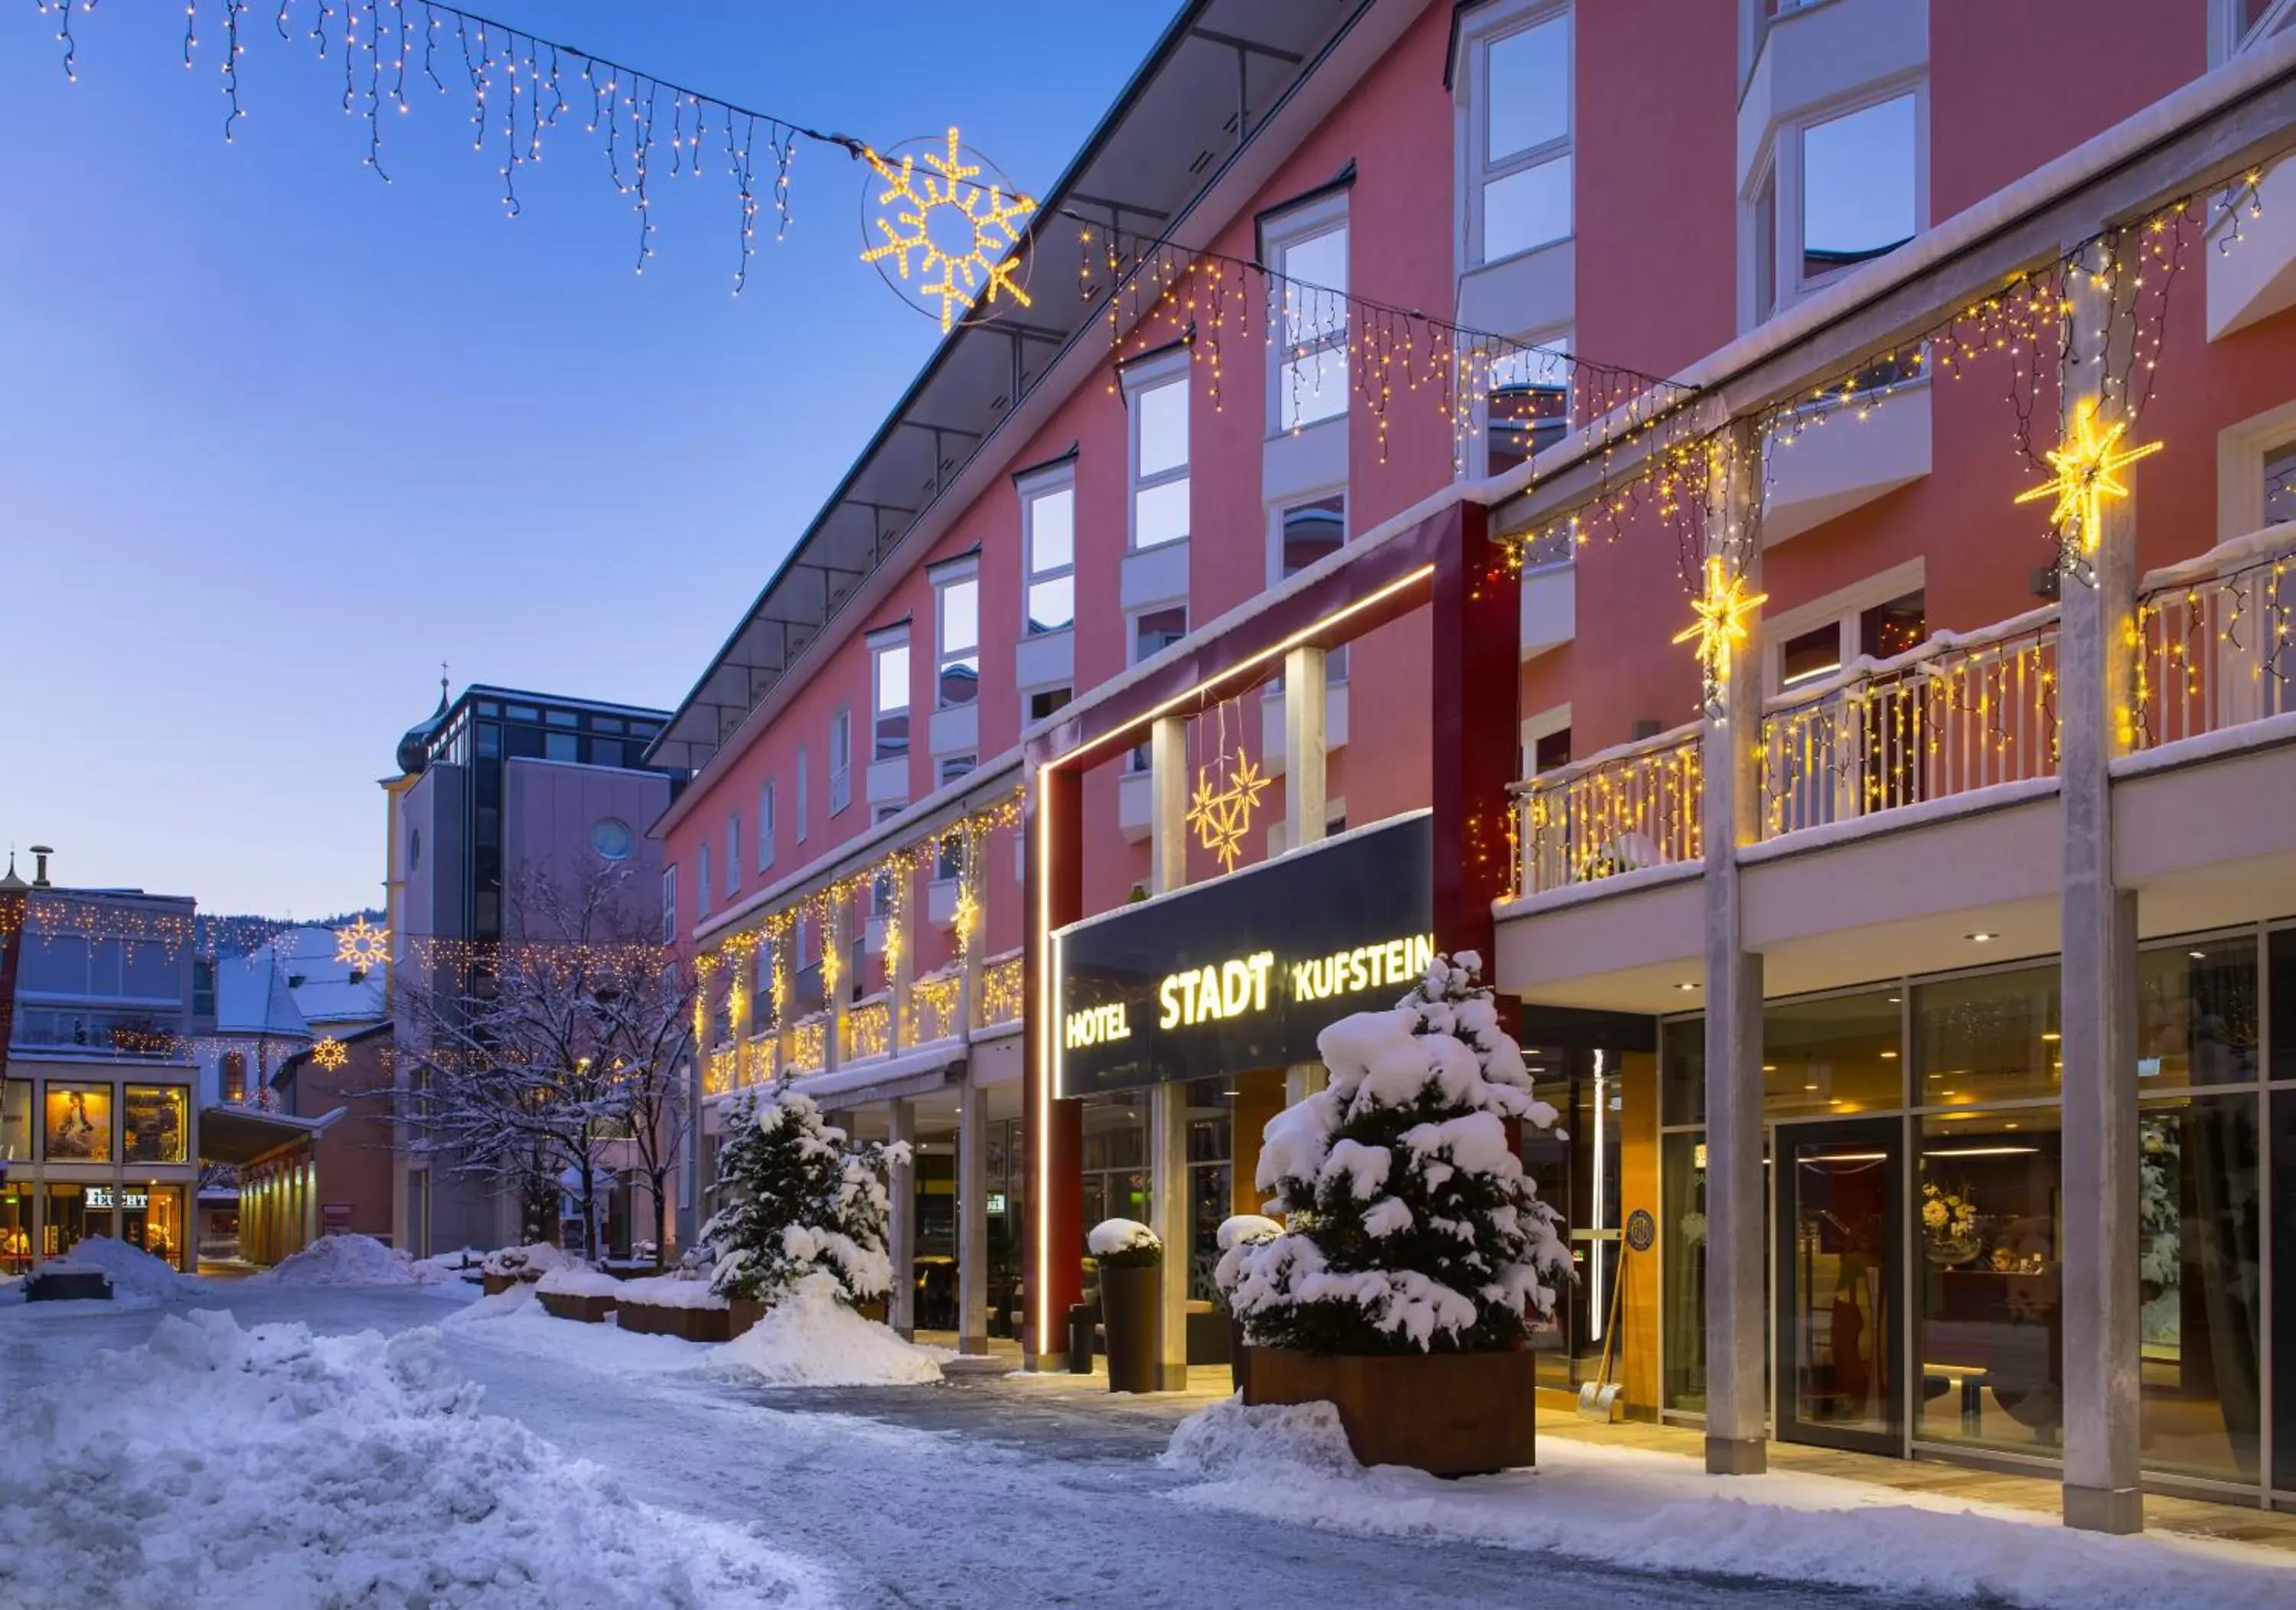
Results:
1721 628
961 232
330 1053
1222 816
2088 463
362 945
967 914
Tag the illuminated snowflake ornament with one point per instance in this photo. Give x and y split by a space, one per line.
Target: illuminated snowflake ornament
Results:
362 945
947 239
329 1054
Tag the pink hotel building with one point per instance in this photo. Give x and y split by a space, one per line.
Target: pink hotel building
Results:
1191 648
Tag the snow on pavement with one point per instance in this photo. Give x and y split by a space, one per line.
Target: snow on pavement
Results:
1656 1512
269 1467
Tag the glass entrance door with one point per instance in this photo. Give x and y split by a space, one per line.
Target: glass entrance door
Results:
1838 1331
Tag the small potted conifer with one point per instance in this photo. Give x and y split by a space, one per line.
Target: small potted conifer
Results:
1416 1253
1130 1258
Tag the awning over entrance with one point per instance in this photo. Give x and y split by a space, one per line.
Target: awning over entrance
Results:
241 1137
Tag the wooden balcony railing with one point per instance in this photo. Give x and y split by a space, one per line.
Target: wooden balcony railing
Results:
808 1042
1960 712
936 1002
2215 640
1627 808
869 1028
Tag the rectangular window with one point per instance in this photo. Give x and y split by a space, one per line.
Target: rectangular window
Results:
77 1123
890 673
954 766
701 881
1043 701
765 825
155 1124
669 903
1526 177
1766 247
956 613
804 800
16 1117
562 745
1858 187
1048 535
840 761
949 858
733 855
1529 408
1311 291
1159 455
2280 484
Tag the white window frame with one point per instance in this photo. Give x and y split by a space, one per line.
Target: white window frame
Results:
1478 33
841 758
1029 718
669 903
2225 39
1842 609
2242 449
1045 483
732 853
702 878
893 639
766 825
958 573
1546 724
1165 370
804 803
1781 164
1293 227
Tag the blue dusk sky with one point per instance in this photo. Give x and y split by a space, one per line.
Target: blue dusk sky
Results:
277 437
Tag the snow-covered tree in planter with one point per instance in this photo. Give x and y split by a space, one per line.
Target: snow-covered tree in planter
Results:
1412 1228
805 1200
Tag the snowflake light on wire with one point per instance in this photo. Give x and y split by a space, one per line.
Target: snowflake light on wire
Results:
329 1054
961 232
362 945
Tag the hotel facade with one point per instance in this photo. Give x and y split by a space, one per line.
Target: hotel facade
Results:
1896 879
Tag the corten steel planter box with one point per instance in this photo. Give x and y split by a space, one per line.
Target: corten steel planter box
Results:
742 1312
1445 1413
1131 1315
566 1305
689 1324
494 1285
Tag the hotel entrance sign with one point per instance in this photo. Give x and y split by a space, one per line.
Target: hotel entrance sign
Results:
1244 971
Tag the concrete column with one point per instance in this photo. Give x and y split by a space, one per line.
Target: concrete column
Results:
2096 692
972 1220
1167 809
1167 1104
741 982
785 954
901 1222
897 967
1302 1080
1306 771
836 940
1736 1312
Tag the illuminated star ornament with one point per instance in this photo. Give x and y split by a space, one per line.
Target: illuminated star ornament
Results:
362 945
2088 463
329 1054
1721 626
1222 816
960 232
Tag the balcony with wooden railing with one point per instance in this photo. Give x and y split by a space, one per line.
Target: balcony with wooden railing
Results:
1959 712
1001 990
868 1028
1625 810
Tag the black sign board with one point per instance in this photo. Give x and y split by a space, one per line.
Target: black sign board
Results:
1245 971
